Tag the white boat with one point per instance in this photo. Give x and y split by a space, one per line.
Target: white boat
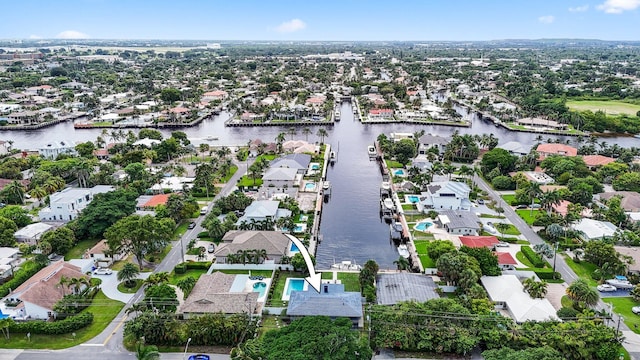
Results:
332 156
337 115
347 265
403 250
620 284
326 185
211 137
385 185
372 151
388 204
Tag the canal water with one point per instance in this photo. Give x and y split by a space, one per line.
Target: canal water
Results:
351 226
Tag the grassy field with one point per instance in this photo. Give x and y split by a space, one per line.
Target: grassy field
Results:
421 249
350 281
523 259
583 269
525 214
622 306
508 198
77 251
104 311
611 107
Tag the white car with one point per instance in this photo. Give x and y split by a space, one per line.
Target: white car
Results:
636 310
606 288
102 271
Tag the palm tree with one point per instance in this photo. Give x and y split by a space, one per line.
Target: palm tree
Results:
146 352
322 133
64 282
38 192
186 285
292 131
402 263
5 324
261 255
536 289
306 131
533 191
582 294
15 192
279 140
135 308
128 272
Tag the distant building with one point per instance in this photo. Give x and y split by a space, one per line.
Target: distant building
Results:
590 229
595 161
514 148
275 243
67 204
545 150
32 233
479 241
53 149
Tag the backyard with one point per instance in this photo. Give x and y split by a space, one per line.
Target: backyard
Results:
421 249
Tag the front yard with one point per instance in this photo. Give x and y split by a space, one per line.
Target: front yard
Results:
527 215
622 306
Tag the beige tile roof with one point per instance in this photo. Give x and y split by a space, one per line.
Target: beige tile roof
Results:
43 288
274 242
211 295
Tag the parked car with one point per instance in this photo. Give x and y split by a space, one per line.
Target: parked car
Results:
211 248
521 207
199 357
192 225
102 271
502 244
636 310
480 201
606 288
535 206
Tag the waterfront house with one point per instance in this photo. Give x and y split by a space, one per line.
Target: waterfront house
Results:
394 288
275 243
53 149
331 301
514 148
595 161
508 295
280 178
428 141
542 123
261 210
42 291
67 204
214 293
300 162
380 114
446 195
459 222
32 233
23 118
590 229
545 150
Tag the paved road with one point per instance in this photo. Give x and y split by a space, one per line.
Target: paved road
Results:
632 341
87 352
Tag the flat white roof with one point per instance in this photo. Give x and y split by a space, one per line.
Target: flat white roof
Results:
509 290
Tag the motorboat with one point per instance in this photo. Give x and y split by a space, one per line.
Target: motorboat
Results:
211 137
371 150
388 204
326 185
386 186
403 250
620 284
346 265
332 156
337 115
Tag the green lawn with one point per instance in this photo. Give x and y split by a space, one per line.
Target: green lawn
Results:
523 259
77 251
611 107
426 261
527 216
421 249
508 198
350 281
104 311
123 289
278 287
408 207
489 216
622 306
583 269
194 273
247 181
391 164
511 230
421 246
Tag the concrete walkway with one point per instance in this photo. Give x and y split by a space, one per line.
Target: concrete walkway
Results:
110 283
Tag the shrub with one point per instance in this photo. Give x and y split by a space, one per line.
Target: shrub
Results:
203 234
193 265
503 183
180 268
534 258
68 325
547 274
567 313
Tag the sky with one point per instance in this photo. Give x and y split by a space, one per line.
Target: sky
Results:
328 20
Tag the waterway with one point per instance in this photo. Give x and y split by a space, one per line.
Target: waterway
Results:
351 227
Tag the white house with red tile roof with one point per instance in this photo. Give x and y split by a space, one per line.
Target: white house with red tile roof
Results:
214 95
506 261
593 161
42 291
381 114
545 150
479 241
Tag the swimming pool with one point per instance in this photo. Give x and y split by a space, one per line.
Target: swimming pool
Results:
413 199
399 172
292 284
310 186
423 225
315 166
260 288
294 248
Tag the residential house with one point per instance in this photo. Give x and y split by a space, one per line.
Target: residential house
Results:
146 204
541 123
53 149
595 161
261 210
23 118
32 233
331 301
214 293
446 195
257 147
9 259
214 95
429 141
380 114
506 261
508 295
299 147
630 200
459 222
173 184
300 162
514 148
479 241
42 291
545 150
394 288
102 256
67 204
275 243
280 178
590 229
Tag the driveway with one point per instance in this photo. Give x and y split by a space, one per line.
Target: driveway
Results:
110 283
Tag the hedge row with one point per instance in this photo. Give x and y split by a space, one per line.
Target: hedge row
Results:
26 271
66 326
534 258
191 265
547 274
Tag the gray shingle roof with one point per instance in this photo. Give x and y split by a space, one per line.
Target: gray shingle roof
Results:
274 242
394 288
460 219
294 161
280 174
334 303
211 295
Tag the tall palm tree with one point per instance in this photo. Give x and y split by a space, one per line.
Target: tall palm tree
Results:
402 263
306 131
322 133
292 131
128 272
38 192
186 285
582 294
64 282
533 191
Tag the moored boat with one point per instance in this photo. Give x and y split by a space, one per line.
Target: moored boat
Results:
403 250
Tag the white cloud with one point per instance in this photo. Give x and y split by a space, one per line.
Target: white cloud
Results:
618 6
547 19
582 8
72 34
290 26
35 37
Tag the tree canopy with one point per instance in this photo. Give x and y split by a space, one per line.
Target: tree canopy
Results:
103 211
